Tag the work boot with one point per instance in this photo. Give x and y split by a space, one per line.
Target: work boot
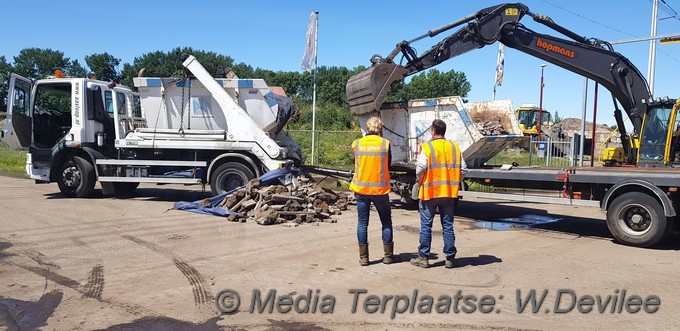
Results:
420 261
389 253
363 255
450 262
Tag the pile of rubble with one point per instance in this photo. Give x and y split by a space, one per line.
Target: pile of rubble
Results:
491 128
302 201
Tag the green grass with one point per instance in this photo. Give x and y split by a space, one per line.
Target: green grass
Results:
505 157
333 149
12 163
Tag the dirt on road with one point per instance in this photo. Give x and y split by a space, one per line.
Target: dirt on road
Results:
119 264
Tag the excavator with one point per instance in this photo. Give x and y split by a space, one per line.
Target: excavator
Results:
651 142
529 115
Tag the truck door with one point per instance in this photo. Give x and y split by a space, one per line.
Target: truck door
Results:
17 130
52 118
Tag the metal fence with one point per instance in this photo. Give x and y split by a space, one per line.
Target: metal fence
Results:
332 149
542 152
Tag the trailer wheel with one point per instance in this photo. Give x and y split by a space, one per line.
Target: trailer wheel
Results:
229 176
76 178
637 219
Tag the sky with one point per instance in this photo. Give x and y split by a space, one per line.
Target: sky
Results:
271 35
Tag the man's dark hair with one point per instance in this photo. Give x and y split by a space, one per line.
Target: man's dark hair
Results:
439 127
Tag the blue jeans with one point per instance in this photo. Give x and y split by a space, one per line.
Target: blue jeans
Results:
382 204
427 211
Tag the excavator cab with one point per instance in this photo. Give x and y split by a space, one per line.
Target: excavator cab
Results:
528 117
660 135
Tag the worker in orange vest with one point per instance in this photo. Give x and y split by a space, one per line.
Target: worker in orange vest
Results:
371 184
439 169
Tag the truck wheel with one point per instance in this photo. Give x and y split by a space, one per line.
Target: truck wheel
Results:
76 178
637 219
229 176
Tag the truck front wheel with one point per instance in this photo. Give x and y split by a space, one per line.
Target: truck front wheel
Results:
76 178
229 176
637 219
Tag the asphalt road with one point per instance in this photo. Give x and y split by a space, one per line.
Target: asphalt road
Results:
105 263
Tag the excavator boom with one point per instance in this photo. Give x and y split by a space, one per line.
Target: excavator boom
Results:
593 59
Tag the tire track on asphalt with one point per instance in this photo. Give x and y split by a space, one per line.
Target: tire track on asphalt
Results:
49 270
198 286
79 242
130 308
95 283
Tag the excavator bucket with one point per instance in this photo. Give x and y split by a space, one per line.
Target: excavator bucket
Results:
367 90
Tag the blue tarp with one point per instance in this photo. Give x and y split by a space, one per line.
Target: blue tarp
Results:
211 206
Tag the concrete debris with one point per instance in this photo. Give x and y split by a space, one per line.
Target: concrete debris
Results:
303 201
491 128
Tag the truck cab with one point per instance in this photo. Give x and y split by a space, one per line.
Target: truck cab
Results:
48 116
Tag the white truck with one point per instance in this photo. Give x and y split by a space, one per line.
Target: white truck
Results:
190 130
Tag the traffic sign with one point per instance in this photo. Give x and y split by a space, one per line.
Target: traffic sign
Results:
669 40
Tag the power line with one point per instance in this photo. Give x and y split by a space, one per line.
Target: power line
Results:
612 28
588 19
668 9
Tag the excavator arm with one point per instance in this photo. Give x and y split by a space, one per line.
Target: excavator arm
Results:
590 58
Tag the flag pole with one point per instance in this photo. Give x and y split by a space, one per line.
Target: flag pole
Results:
316 33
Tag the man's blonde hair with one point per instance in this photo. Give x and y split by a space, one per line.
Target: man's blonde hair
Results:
374 125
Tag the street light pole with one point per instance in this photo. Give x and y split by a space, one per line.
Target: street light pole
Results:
652 48
540 105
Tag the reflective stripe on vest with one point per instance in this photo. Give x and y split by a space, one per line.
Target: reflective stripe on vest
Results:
442 176
371 173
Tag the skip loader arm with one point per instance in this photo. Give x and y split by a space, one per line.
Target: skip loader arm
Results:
590 58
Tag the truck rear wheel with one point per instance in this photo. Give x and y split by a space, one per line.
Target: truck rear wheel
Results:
76 178
637 219
229 176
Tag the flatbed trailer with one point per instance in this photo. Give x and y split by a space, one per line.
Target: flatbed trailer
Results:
640 203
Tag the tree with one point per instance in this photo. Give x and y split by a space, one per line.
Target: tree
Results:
76 70
104 66
432 84
38 63
169 64
557 118
5 72
331 85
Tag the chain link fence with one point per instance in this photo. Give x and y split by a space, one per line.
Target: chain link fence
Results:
332 149
531 151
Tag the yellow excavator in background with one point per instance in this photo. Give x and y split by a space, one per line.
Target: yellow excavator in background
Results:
528 116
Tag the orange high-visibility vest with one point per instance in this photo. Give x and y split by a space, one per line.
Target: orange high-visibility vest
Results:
371 173
442 176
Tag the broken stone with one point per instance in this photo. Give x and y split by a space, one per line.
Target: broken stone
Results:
266 217
248 204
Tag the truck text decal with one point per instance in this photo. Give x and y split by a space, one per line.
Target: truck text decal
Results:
76 102
554 48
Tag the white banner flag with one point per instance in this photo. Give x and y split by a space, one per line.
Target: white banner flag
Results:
499 65
309 59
